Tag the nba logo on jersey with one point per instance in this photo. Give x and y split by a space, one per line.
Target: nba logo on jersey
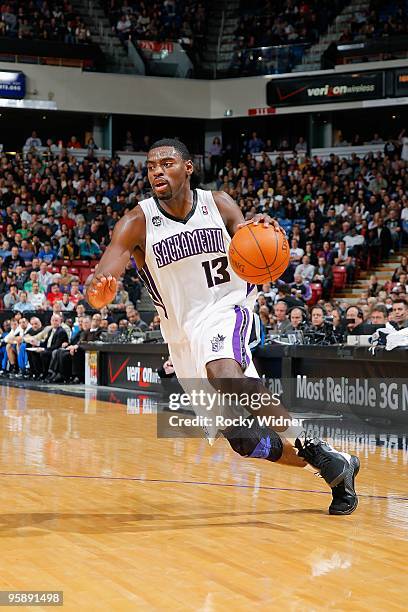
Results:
156 221
217 343
205 210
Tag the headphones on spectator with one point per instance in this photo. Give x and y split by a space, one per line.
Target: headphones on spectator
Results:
359 312
304 314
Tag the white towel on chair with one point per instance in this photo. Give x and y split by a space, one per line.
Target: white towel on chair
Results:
395 338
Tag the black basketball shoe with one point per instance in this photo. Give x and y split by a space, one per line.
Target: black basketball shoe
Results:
337 469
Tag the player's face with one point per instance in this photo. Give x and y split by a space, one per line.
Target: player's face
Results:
167 172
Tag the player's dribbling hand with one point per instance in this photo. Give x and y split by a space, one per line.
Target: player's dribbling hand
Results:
101 290
266 220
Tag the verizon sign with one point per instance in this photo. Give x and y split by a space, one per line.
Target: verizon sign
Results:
325 89
339 90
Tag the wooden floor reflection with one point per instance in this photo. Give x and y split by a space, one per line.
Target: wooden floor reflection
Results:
92 503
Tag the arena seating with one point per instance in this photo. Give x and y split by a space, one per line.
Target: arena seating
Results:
176 20
263 24
382 19
49 21
289 27
359 201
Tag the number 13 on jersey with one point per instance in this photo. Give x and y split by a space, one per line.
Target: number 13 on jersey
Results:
216 271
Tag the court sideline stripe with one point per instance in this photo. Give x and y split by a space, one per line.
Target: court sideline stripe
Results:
195 482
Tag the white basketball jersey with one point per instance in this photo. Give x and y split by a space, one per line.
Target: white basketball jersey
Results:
187 271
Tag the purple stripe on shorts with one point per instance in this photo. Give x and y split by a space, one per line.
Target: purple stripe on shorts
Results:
248 318
236 338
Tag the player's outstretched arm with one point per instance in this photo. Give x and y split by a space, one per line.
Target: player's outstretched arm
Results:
128 236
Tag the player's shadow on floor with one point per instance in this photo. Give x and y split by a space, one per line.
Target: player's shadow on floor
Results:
41 523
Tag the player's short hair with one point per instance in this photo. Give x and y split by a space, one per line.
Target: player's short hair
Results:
179 146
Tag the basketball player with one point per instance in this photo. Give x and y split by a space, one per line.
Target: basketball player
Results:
179 239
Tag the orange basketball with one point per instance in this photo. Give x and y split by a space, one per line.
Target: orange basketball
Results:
259 254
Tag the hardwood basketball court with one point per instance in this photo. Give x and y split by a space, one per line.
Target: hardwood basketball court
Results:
93 504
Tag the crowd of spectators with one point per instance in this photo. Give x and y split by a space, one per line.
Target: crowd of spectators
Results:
271 23
50 149
261 24
264 24
50 348
284 308
172 20
56 217
256 144
54 207
46 20
382 20
272 37
346 214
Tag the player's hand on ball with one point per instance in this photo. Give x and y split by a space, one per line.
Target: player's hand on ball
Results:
102 290
266 220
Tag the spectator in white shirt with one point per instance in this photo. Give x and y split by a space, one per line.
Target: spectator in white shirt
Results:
353 239
301 145
44 277
296 253
13 340
404 212
305 269
37 298
404 141
33 141
14 327
54 204
123 26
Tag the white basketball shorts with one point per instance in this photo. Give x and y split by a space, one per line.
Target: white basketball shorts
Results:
224 334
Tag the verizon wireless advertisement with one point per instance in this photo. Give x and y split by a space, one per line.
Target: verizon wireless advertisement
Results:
321 89
137 372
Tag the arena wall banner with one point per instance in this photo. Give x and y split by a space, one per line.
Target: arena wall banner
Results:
325 89
373 389
132 371
325 380
12 85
